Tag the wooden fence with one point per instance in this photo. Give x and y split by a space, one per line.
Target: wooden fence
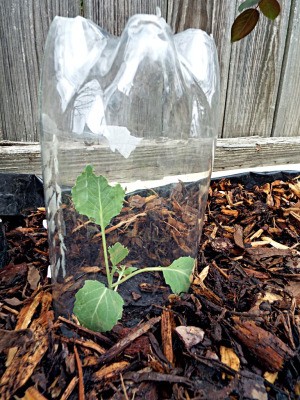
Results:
260 75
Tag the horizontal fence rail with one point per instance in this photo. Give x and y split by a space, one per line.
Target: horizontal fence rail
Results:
260 75
230 154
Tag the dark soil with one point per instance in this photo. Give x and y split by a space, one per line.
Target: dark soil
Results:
235 335
157 226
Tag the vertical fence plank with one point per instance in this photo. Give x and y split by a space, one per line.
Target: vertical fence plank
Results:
287 118
213 16
184 14
23 28
112 15
255 71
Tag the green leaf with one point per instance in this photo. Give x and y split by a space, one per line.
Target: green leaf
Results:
97 307
247 4
270 8
95 198
117 253
178 274
244 24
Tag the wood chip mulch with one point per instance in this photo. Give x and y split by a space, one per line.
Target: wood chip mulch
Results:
235 335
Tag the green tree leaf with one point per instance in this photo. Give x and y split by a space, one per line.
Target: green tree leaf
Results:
95 198
244 24
247 4
117 253
97 307
178 274
270 8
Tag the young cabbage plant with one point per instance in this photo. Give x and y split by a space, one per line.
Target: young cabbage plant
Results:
99 307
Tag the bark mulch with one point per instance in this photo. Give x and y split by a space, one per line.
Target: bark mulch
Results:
235 335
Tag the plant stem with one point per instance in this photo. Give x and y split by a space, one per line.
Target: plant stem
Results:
121 273
108 273
139 271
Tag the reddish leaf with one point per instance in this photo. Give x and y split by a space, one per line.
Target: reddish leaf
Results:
244 24
270 8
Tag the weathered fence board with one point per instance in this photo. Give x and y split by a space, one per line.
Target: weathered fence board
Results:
23 28
287 119
260 75
112 15
214 17
230 154
255 73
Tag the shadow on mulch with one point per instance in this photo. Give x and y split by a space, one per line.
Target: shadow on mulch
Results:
235 335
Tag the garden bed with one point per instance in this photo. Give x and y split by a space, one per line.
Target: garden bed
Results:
235 335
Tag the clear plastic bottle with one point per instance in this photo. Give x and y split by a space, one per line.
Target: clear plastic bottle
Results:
142 109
